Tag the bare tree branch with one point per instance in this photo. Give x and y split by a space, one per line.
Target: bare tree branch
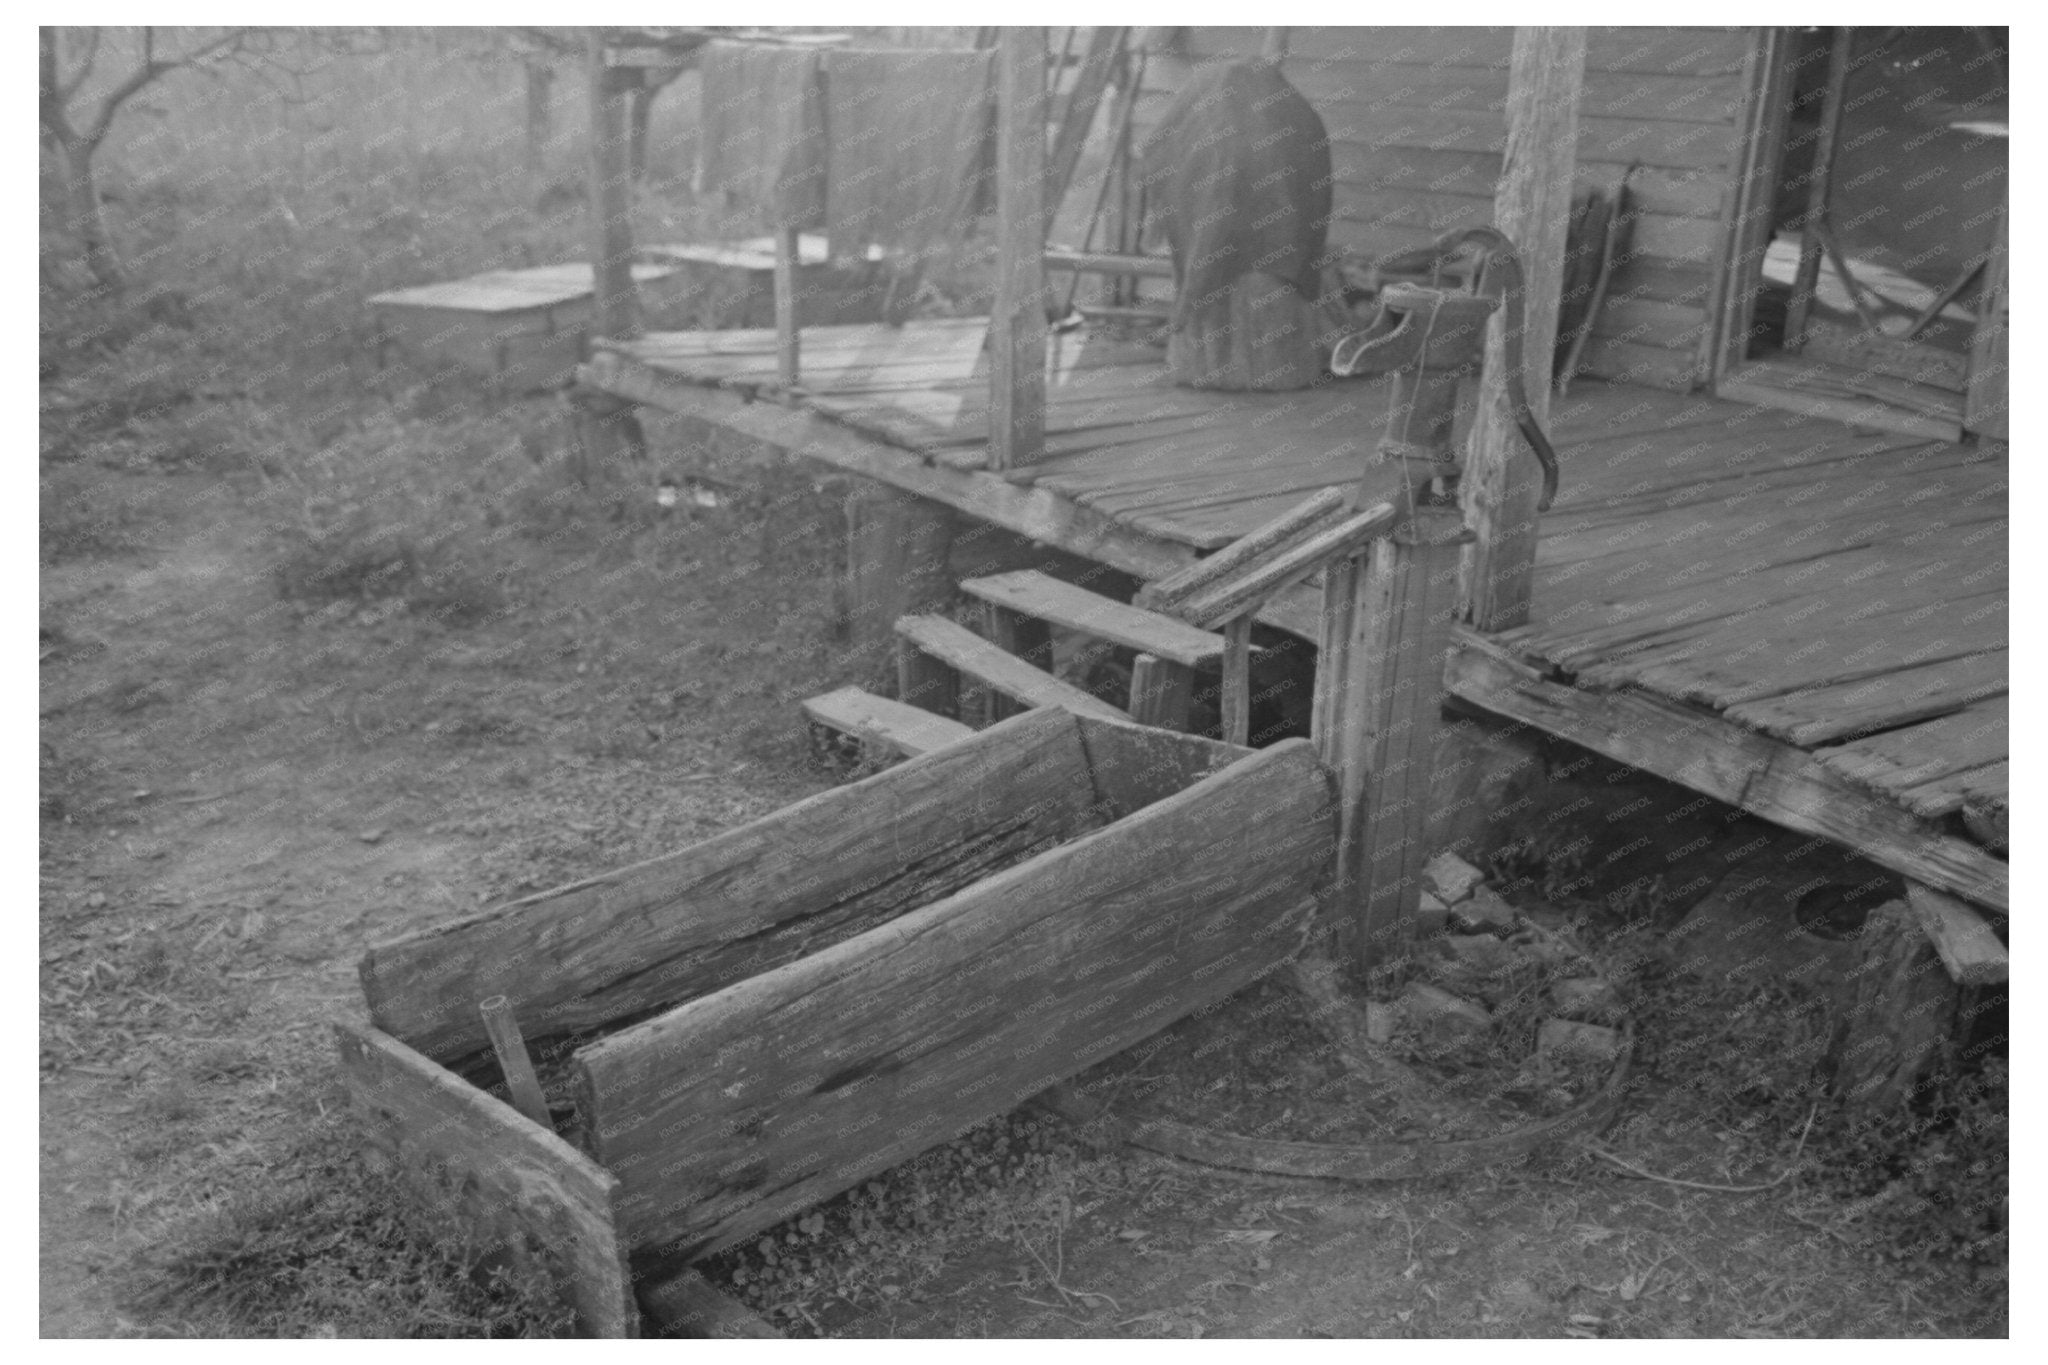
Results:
92 52
227 44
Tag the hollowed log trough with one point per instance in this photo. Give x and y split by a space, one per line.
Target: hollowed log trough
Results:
756 1023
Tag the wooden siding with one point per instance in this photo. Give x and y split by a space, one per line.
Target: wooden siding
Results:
1417 123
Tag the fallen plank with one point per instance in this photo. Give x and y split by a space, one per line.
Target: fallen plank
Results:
686 1305
730 1113
891 725
649 935
1697 749
509 1189
1044 598
961 649
1968 948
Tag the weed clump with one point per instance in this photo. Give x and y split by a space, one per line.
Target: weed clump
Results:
337 1253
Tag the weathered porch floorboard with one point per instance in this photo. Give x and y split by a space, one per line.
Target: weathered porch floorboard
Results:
1837 591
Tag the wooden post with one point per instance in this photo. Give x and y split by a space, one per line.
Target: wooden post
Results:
1237 680
897 546
1901 1023
785 311
1806 279
926 683
510 1046
1738 269
1533 207
1018 329
611 244
1161 691
1986 393
1410 604
1339 729
1014 633
540 92
1386 629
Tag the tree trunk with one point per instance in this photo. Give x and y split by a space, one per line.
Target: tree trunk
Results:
84 215
540 94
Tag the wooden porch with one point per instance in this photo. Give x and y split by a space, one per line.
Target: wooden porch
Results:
1787 613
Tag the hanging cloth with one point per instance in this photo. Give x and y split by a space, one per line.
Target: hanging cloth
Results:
912 145
762 131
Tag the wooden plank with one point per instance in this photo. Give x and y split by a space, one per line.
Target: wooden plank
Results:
509 291
1017 331
1409 600
1048 599
731 1113
1968 948
508 1046
1987 389
1533 208
1162 692
1917 754
643 937
1766 388
1309 553
1134 765
1627 362
1035 513
1357 170
503 1186
1699 750
1624 139
1882 356
1237 684
961 649
787 342
1650 51
1818 715
685 1305
1733 658
1954 792
900 729
1337 85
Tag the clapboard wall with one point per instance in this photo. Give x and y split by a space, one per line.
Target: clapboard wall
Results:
1417 121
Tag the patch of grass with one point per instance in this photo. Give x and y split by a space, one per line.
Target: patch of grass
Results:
1018 1180
319 1248
82 514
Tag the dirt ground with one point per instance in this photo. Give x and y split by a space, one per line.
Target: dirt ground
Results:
241 791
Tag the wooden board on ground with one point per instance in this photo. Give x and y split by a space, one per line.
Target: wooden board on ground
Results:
732 1112
665 930
1968 948
511 1190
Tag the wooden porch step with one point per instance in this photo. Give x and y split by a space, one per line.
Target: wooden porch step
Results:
1044 598
877 721
964 652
